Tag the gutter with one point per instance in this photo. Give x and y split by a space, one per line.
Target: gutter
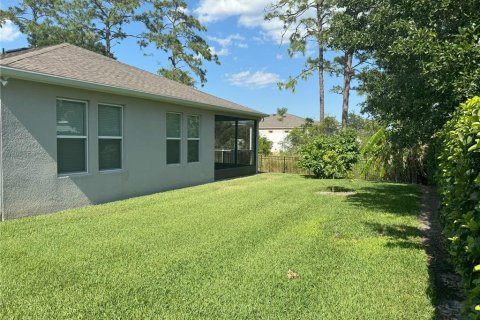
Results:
88 85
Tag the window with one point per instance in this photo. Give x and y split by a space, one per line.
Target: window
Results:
110 137
193 137
71 136
270 131
286 131
174 137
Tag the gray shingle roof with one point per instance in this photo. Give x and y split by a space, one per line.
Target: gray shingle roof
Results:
288 122
72 62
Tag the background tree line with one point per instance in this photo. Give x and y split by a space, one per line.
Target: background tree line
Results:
99 25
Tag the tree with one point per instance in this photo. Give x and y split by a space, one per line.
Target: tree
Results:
45 23
281 113
104 18
327 156
264 146
347 35
174 31
425 55
307 21
298 137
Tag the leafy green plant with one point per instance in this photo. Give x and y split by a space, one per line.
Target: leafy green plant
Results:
330 156
459 182
386 160
264 146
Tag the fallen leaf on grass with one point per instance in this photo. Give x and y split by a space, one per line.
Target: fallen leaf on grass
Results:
292 275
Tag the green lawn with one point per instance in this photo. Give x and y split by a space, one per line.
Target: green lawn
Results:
223 250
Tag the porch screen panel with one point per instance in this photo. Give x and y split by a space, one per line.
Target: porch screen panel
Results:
225 156
246 142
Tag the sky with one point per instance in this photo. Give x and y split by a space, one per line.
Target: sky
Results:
252 54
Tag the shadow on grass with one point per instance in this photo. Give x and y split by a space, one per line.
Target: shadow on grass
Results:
445 288
389 198
400 236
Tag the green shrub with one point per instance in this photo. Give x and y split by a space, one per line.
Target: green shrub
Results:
459 182
330 156
264 146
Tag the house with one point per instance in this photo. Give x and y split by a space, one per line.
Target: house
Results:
78 128
276 128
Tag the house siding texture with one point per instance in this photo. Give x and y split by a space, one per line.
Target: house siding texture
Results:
30 181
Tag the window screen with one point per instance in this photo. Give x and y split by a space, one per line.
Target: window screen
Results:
71 136
193 137
174 137
110 137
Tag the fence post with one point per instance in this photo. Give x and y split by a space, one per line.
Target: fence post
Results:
284 164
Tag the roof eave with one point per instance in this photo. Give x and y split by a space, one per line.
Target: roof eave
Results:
8 72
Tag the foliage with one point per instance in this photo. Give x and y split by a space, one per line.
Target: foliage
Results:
330 156
104 18
99 25
264 146
173 30
305 22
333 165
386 161
346 35
298 137
426 62
459 181
281 113
46 23
230 243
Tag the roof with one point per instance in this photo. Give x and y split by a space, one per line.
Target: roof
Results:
72 66
288 122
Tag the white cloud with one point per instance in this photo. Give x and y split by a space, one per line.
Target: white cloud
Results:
253 80
228 41
279 56
221 52
9 32
250 14
215 10
232 40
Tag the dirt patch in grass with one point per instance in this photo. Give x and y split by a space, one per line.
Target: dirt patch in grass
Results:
336 191
331 193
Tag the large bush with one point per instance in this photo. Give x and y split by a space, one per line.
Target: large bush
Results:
459 182
329 156
264 146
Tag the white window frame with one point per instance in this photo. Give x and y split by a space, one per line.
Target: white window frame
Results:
111 137
174 138
67 174
194 139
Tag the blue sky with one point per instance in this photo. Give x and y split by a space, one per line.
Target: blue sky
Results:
252 57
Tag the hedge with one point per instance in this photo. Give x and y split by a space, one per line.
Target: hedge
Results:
459 185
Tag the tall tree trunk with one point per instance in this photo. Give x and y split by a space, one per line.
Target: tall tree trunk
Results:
321 83
107 42
347 78
34 40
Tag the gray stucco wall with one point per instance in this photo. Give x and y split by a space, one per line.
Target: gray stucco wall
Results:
30 181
